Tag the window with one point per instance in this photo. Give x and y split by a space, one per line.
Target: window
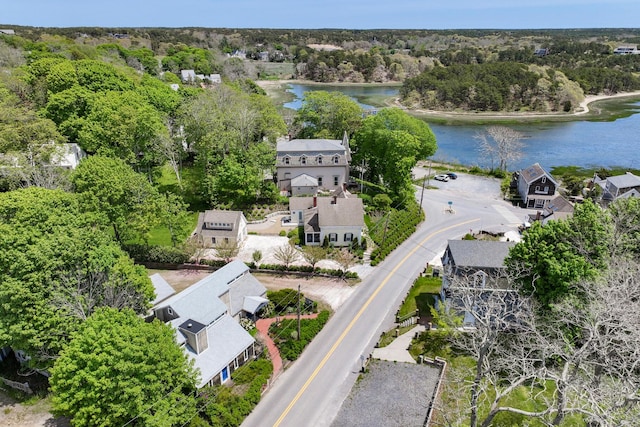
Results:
310 238
213 240
303 160
286 160
335 180
316 238
333 237
235 363
319 160
319 181
226 240
544 179
246 354
348 237
336 160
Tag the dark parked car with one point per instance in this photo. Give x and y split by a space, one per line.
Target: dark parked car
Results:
452 175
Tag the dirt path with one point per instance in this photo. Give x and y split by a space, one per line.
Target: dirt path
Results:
14 414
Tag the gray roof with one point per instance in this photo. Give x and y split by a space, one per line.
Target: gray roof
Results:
347 212
226 339
479 253
300 203
245 286
534 172
624 181
304 180
201 301
163 289
220 216
252 304
310 145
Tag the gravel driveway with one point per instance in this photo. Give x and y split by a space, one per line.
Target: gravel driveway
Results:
389 394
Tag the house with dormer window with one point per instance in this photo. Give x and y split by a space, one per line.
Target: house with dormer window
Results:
221 226
324 160
206 315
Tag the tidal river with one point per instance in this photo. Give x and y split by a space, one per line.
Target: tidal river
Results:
578 143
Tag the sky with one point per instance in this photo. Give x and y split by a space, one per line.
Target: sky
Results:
348 14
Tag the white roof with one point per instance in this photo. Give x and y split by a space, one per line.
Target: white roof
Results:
310 145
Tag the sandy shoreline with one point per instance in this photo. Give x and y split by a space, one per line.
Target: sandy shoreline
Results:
583 108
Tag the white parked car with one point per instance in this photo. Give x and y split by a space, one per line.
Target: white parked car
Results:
441 177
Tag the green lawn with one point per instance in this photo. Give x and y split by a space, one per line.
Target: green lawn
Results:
421 295
160 235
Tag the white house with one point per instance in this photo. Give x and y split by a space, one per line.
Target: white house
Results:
220 226
340 219
325 160
205 317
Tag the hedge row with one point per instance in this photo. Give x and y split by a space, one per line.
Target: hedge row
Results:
399 226
305 269
156 253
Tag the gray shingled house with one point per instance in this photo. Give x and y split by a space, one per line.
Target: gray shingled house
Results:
478 264
206 318
536 187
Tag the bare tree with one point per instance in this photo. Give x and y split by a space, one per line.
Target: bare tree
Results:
501 143
499 332
345 258
585 352
286 254
171 149
227 249
313 254
196 248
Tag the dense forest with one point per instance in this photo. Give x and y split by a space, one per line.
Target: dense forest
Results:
452 69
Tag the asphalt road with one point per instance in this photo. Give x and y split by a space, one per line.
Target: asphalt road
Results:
311 391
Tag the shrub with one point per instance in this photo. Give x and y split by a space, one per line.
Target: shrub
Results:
283 332
156 253
282 233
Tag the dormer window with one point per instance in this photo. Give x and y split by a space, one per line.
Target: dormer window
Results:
286 160
319 160
336 160
303 160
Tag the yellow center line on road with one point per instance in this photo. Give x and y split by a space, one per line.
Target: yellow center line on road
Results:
357 316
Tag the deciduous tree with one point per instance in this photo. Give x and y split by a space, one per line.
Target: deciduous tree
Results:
119 369
328 115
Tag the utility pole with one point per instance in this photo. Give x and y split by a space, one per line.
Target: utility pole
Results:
424 179
298 311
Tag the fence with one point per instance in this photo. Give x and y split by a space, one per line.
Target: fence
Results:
23 387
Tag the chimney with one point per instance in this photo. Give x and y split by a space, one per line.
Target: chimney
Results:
538 215
315 201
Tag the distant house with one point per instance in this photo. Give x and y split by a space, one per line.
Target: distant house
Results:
221 226
536 187
190 76
325 160
339 219
68 156
541 52
626 50
619 186
205 317
473 264
7 32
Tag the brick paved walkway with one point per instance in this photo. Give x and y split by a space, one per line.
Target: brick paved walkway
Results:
263 332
